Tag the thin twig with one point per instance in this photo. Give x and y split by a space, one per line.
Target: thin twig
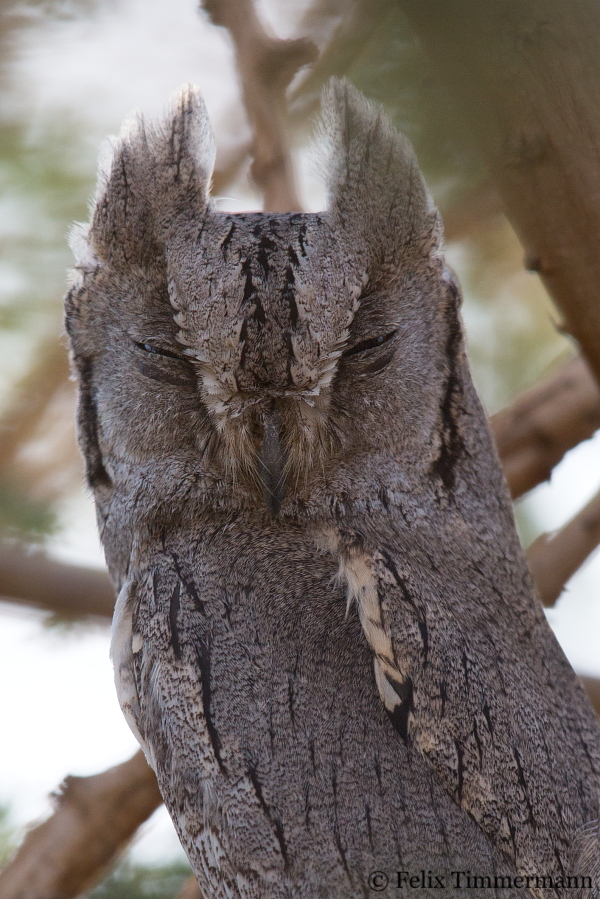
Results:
342 31
94 819
266 66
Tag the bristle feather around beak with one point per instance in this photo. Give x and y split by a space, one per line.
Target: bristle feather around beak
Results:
272 463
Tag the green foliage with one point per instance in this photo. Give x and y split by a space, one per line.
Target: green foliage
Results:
43 190
23 517
384 59
134 881
8 836
509 318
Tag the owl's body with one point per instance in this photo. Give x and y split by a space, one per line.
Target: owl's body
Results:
326 636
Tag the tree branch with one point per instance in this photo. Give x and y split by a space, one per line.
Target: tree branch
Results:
554 558
71 590
266 66
94 819
525 78
31 397
591 685
348 28
476 206
534 433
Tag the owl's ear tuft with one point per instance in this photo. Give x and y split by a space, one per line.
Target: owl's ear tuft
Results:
377 193
155 175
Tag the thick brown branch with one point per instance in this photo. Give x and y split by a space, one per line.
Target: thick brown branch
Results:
95 818
535 432
525 78
266 66
554 558
70 590
470 211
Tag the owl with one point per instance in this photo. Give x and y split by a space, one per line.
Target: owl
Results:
326 638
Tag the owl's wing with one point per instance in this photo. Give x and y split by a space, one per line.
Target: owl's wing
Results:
493 728
158 683
122 656
161 651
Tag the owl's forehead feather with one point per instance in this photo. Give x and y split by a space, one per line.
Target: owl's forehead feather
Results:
273 287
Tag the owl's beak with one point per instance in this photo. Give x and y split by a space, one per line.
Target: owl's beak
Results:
271 465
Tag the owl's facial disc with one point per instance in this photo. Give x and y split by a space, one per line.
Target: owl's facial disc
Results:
271 438
259 320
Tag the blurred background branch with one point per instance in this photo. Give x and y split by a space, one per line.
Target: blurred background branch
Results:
266 67
554 558
94 819
531 113
30 577
535 432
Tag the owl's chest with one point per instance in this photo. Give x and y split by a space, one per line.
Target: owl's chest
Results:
262 624
253 691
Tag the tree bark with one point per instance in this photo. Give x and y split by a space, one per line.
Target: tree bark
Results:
535 432
70 590
190 890
31 397
525 77
94 820
554 558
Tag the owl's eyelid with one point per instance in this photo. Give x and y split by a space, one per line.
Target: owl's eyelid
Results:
371 343
151 349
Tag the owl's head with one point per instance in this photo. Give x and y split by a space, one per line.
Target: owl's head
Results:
254 360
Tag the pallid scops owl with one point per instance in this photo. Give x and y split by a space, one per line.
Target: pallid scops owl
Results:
326 638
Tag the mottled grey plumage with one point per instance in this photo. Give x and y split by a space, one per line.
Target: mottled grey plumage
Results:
326 637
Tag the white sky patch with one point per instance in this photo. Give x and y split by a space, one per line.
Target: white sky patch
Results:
64 716
124 57
576 617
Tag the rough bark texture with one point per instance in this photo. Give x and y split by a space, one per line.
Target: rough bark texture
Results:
525 74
